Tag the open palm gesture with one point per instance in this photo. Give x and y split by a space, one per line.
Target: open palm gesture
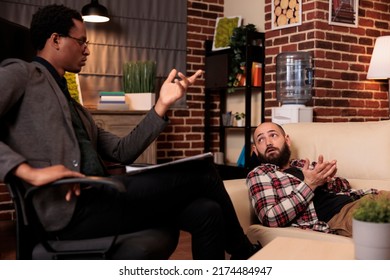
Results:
173 89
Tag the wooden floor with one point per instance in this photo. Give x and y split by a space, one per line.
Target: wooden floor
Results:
8 243
183 250
7 240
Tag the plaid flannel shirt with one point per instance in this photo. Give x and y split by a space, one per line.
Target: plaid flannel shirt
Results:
280 199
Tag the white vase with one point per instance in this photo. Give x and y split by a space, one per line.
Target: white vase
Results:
240 122
372 240
140 101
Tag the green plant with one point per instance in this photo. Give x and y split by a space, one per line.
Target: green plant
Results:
139 76
237 43
374 211
238 116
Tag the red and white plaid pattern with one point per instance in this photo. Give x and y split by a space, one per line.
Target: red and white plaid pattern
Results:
280 199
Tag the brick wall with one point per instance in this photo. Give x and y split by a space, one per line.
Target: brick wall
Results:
341 59
184 137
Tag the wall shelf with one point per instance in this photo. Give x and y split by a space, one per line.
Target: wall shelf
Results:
217 66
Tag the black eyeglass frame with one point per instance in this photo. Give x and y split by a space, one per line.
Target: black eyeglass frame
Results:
81 42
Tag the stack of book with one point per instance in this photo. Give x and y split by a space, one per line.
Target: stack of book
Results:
112 100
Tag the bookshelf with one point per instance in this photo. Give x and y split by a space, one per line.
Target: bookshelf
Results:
217 98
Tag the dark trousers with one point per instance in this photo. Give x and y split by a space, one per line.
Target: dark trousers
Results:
188 196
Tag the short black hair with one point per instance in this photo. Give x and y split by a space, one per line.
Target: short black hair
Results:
51 19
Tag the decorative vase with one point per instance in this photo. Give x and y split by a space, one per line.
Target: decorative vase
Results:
372 240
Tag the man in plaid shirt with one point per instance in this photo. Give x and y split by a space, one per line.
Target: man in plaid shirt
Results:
287 192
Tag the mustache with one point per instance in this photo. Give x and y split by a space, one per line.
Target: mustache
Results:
280 158
271 149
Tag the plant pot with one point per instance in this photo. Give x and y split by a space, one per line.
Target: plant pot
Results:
240 122
140 101
372 240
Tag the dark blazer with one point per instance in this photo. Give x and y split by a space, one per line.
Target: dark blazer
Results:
36 127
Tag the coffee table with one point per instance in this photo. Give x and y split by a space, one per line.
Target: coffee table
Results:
287 248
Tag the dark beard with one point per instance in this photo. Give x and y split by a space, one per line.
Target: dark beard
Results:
282 160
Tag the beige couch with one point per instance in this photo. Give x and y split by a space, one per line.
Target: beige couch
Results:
362 151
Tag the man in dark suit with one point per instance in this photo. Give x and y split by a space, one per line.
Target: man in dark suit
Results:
46 135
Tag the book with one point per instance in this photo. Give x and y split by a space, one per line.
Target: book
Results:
135 169
111 93
112 102
257 74
112 98
112 106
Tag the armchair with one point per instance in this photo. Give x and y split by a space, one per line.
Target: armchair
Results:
34 243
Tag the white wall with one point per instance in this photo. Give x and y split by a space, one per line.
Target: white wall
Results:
252 11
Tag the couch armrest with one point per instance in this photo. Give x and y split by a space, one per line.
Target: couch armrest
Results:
239 195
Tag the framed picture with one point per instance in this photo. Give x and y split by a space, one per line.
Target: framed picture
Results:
286 13
223 31
73 83
343 12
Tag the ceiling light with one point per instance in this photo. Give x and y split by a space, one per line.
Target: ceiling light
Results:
94 12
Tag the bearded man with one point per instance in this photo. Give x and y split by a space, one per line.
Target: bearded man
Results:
294 192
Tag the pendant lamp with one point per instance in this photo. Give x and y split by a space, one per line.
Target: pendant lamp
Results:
94 12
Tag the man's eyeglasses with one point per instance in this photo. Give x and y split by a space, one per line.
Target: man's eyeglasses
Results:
80 41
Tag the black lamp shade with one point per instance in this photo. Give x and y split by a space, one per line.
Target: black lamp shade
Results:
94 12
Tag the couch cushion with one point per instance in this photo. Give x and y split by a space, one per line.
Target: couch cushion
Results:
264 235
362 149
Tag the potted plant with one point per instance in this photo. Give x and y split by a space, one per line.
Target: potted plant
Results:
237 64
240 118
371 229
139 79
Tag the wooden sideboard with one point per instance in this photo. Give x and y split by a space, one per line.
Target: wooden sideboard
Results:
121 123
